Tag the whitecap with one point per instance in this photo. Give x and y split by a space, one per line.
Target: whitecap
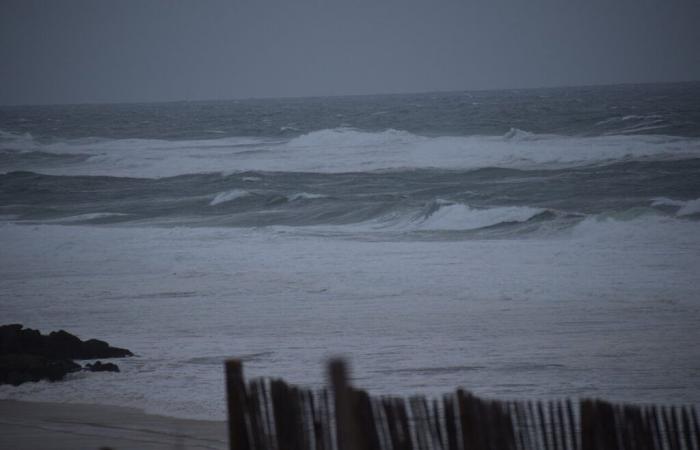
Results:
664 201
228 196
351 150
516 133
306 196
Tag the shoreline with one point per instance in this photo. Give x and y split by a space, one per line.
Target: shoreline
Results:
52 426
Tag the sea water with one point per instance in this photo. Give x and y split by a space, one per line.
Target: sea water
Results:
521 244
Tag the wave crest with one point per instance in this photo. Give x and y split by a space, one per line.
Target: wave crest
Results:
228 196
459 216
518 134
352 137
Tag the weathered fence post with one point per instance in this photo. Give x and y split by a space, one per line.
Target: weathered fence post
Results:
285 417
598 426
236 401
346 427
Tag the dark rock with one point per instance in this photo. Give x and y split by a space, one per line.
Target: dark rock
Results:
99 366
27 355
17 369
58 344
94 348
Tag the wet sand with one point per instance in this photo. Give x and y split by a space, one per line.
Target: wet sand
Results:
39 426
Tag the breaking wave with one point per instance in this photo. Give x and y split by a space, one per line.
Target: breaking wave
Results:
334 151
442 215
462 217
685 207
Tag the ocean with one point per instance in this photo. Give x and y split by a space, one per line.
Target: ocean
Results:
540 243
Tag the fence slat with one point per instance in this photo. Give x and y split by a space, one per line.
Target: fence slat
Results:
437 425
236 401
328 436
465 416
654 427
696 427
448 408
257 433
687 432
402 417
561 421
368 436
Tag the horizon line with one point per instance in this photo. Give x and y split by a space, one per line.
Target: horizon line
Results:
375 94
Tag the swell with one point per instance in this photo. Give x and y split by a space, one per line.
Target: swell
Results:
660 108
489 200
336 150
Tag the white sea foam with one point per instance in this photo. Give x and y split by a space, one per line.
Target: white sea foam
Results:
229 196
349 150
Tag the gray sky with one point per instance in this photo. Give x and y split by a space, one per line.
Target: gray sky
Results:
150 50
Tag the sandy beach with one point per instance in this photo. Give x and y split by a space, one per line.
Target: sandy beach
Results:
37 426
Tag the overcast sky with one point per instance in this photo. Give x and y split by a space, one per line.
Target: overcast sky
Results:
150 50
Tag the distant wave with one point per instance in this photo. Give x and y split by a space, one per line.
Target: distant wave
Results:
443 215
627 118
306 196
12 160
438 218
228 196
236 194
516 133
348 150
350 137
86 217
685 207
636 228
338 150
462 217
633 123
460 221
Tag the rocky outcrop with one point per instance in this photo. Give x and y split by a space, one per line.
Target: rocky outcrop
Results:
57 345
27 355
17 369
99 366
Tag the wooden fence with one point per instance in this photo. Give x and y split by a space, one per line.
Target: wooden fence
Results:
272 415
